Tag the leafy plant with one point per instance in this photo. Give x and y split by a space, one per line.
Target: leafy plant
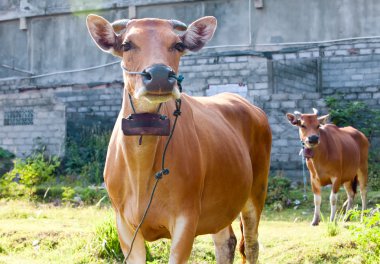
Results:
6 163
278 192
27 174
68 194
367 235
86 154
356 114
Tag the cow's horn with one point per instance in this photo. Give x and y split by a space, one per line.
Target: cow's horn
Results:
297 113
315 111
119 26
178 25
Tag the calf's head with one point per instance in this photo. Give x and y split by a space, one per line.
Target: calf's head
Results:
151 46
309 126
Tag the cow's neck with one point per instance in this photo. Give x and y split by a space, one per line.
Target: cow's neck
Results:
142 159
320 152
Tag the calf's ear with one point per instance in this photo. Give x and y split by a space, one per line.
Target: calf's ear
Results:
292 119
323 119
199 33
102 33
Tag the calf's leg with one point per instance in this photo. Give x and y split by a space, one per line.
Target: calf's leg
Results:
225 244
334 197
362 179
348 186
316 188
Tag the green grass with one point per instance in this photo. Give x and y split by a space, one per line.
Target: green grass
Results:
42 233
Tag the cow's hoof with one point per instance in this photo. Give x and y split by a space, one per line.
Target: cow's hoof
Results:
315 223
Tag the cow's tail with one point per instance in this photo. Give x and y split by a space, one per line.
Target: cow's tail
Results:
241 245
354 184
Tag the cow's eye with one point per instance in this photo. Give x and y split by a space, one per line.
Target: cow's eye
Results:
180 47
127 46
318 126
303 126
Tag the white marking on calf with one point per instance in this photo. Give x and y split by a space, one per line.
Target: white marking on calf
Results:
317 209
333 201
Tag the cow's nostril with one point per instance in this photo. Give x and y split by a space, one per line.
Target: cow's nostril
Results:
159 78
147 75
313 139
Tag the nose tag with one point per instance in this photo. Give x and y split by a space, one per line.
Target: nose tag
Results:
146 124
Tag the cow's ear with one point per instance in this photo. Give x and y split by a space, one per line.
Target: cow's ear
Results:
292 119
199 33
323 119
102 33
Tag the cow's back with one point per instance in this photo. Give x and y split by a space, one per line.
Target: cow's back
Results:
340 153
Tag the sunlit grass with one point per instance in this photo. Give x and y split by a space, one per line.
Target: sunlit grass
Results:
43 233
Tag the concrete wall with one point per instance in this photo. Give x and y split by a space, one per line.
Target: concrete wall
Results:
56 38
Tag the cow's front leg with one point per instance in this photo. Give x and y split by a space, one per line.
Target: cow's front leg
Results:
334 197
316 188
126 232
183 234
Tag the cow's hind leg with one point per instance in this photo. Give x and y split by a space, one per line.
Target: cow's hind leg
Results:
225 244
362 179
250 219
350 188
334 197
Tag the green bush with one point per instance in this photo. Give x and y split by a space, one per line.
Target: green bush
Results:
356 114
86 155
23 179
367 235
68 194
6 162
278 192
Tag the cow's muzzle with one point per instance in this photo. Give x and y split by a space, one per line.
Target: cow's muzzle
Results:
159 79
312 140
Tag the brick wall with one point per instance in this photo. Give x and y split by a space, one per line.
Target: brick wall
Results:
284 83
46 123
294 76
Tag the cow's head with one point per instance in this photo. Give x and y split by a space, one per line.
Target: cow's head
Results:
152 46
309 125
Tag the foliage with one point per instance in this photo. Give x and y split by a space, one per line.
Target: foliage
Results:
5 154
22 180
6 163
85 155
367 235
374 171
89 195
278 192
68 194
356 114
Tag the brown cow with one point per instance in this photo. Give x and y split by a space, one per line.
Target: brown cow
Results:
333 156
218 158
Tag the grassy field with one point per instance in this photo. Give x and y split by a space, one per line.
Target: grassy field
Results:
43 233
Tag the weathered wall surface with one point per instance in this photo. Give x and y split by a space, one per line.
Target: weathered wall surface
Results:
282 78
